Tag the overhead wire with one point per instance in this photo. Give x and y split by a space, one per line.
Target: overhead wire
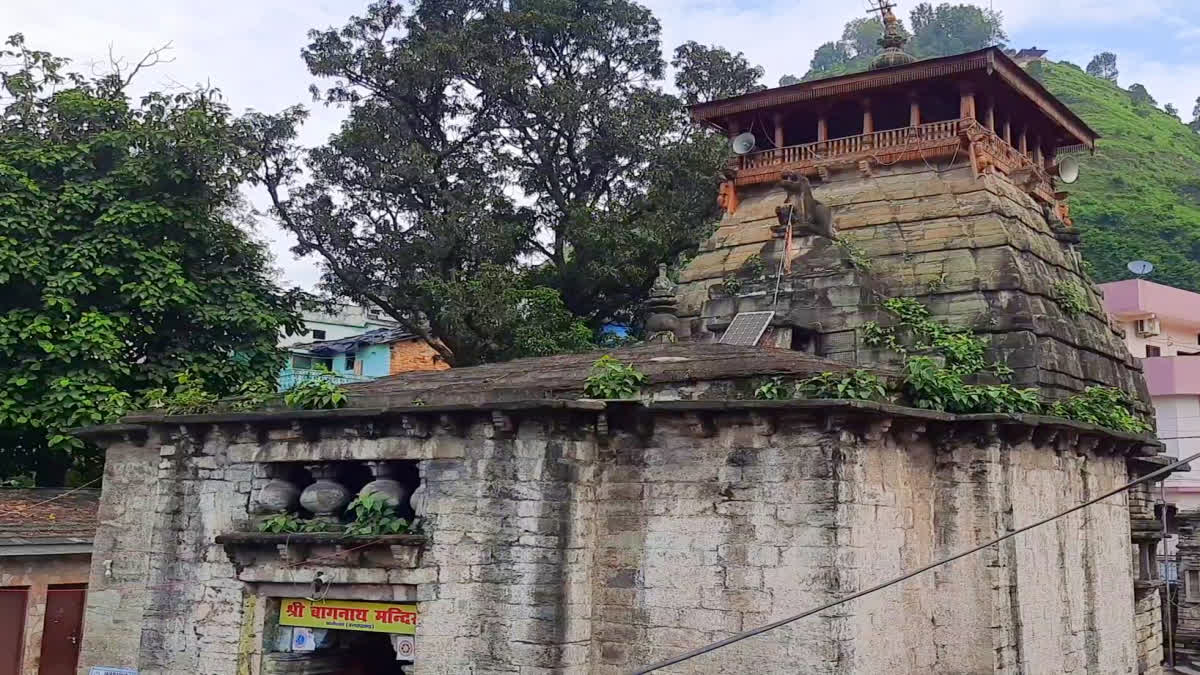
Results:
908 575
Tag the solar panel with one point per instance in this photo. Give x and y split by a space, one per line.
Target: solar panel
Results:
746 328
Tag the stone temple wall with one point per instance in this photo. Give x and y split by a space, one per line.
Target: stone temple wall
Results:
577 540
977 250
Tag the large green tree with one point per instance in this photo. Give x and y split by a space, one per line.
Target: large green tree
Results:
528 136
120 261
953 29
939 30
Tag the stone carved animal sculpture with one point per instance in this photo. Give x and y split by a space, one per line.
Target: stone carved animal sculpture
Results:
804 211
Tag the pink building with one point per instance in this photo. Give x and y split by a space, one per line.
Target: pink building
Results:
1162 327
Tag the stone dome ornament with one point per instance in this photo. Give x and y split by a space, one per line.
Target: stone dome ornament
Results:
893 40
661 322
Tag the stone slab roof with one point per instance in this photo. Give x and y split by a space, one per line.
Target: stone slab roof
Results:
562 376
39 515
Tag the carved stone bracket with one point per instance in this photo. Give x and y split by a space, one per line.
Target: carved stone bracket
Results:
503 424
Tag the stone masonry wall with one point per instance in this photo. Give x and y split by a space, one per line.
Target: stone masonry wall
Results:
977 251
577 542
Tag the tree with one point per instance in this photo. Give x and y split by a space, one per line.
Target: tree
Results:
789 80
1140 94
120 262
1195 123
953 29
830 57
709 73
1171 110
936 31
457 105
1104 66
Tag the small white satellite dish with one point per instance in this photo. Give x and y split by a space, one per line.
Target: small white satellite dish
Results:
743 143
1067 170
1140 267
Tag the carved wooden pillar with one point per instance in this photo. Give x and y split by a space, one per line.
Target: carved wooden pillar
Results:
777 118
823 125
1023 142
966 106
1008 131
989 114
1037 149
914 110
868 118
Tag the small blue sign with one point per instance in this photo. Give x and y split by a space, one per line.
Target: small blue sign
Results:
106 670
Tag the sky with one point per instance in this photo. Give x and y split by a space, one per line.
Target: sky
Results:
250 49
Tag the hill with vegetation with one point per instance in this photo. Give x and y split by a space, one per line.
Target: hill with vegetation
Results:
1138 197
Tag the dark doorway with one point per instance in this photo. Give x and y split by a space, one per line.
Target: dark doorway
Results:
63 629
12 628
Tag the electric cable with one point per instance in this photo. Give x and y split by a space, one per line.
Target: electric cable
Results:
904 577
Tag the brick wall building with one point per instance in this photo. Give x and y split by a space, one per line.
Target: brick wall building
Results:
45 552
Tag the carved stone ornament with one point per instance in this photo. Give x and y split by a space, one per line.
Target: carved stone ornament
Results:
801 210
661 321
277 496
325 497
384 485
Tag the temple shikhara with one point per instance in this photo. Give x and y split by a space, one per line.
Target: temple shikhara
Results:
561 534
940 176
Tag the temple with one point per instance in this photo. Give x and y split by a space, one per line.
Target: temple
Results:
940 180
556 533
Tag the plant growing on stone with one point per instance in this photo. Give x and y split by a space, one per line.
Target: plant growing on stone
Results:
774 389
855 254
1102 406
857 384
1071 297
374 515
731 285
754 267
253 395
187 397
290 523
318 393
612 379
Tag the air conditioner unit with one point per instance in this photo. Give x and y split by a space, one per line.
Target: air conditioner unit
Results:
1147 327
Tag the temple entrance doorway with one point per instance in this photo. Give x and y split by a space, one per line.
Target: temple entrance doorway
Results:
340 652
324 636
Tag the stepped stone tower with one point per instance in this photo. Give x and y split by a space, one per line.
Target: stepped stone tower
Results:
940 177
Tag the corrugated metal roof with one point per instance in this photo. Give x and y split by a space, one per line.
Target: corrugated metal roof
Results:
379 336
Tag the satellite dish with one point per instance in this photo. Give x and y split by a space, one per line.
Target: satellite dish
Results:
1140 267
1067 170
743 143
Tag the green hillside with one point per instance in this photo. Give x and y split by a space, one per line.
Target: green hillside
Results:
1139 196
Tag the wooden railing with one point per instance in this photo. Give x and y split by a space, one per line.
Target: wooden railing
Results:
851 145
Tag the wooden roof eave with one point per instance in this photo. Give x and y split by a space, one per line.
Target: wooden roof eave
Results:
1028 86
992 60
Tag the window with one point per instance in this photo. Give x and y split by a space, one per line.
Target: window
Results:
351 358
300 362
1152 351
318 334
1191 585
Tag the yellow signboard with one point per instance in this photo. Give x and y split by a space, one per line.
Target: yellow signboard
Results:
374 617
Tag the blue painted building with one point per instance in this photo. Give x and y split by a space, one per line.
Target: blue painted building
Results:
358 358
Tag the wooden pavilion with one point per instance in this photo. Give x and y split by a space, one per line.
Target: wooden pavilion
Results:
980 103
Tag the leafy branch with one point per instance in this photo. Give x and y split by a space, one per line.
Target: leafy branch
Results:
612 379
